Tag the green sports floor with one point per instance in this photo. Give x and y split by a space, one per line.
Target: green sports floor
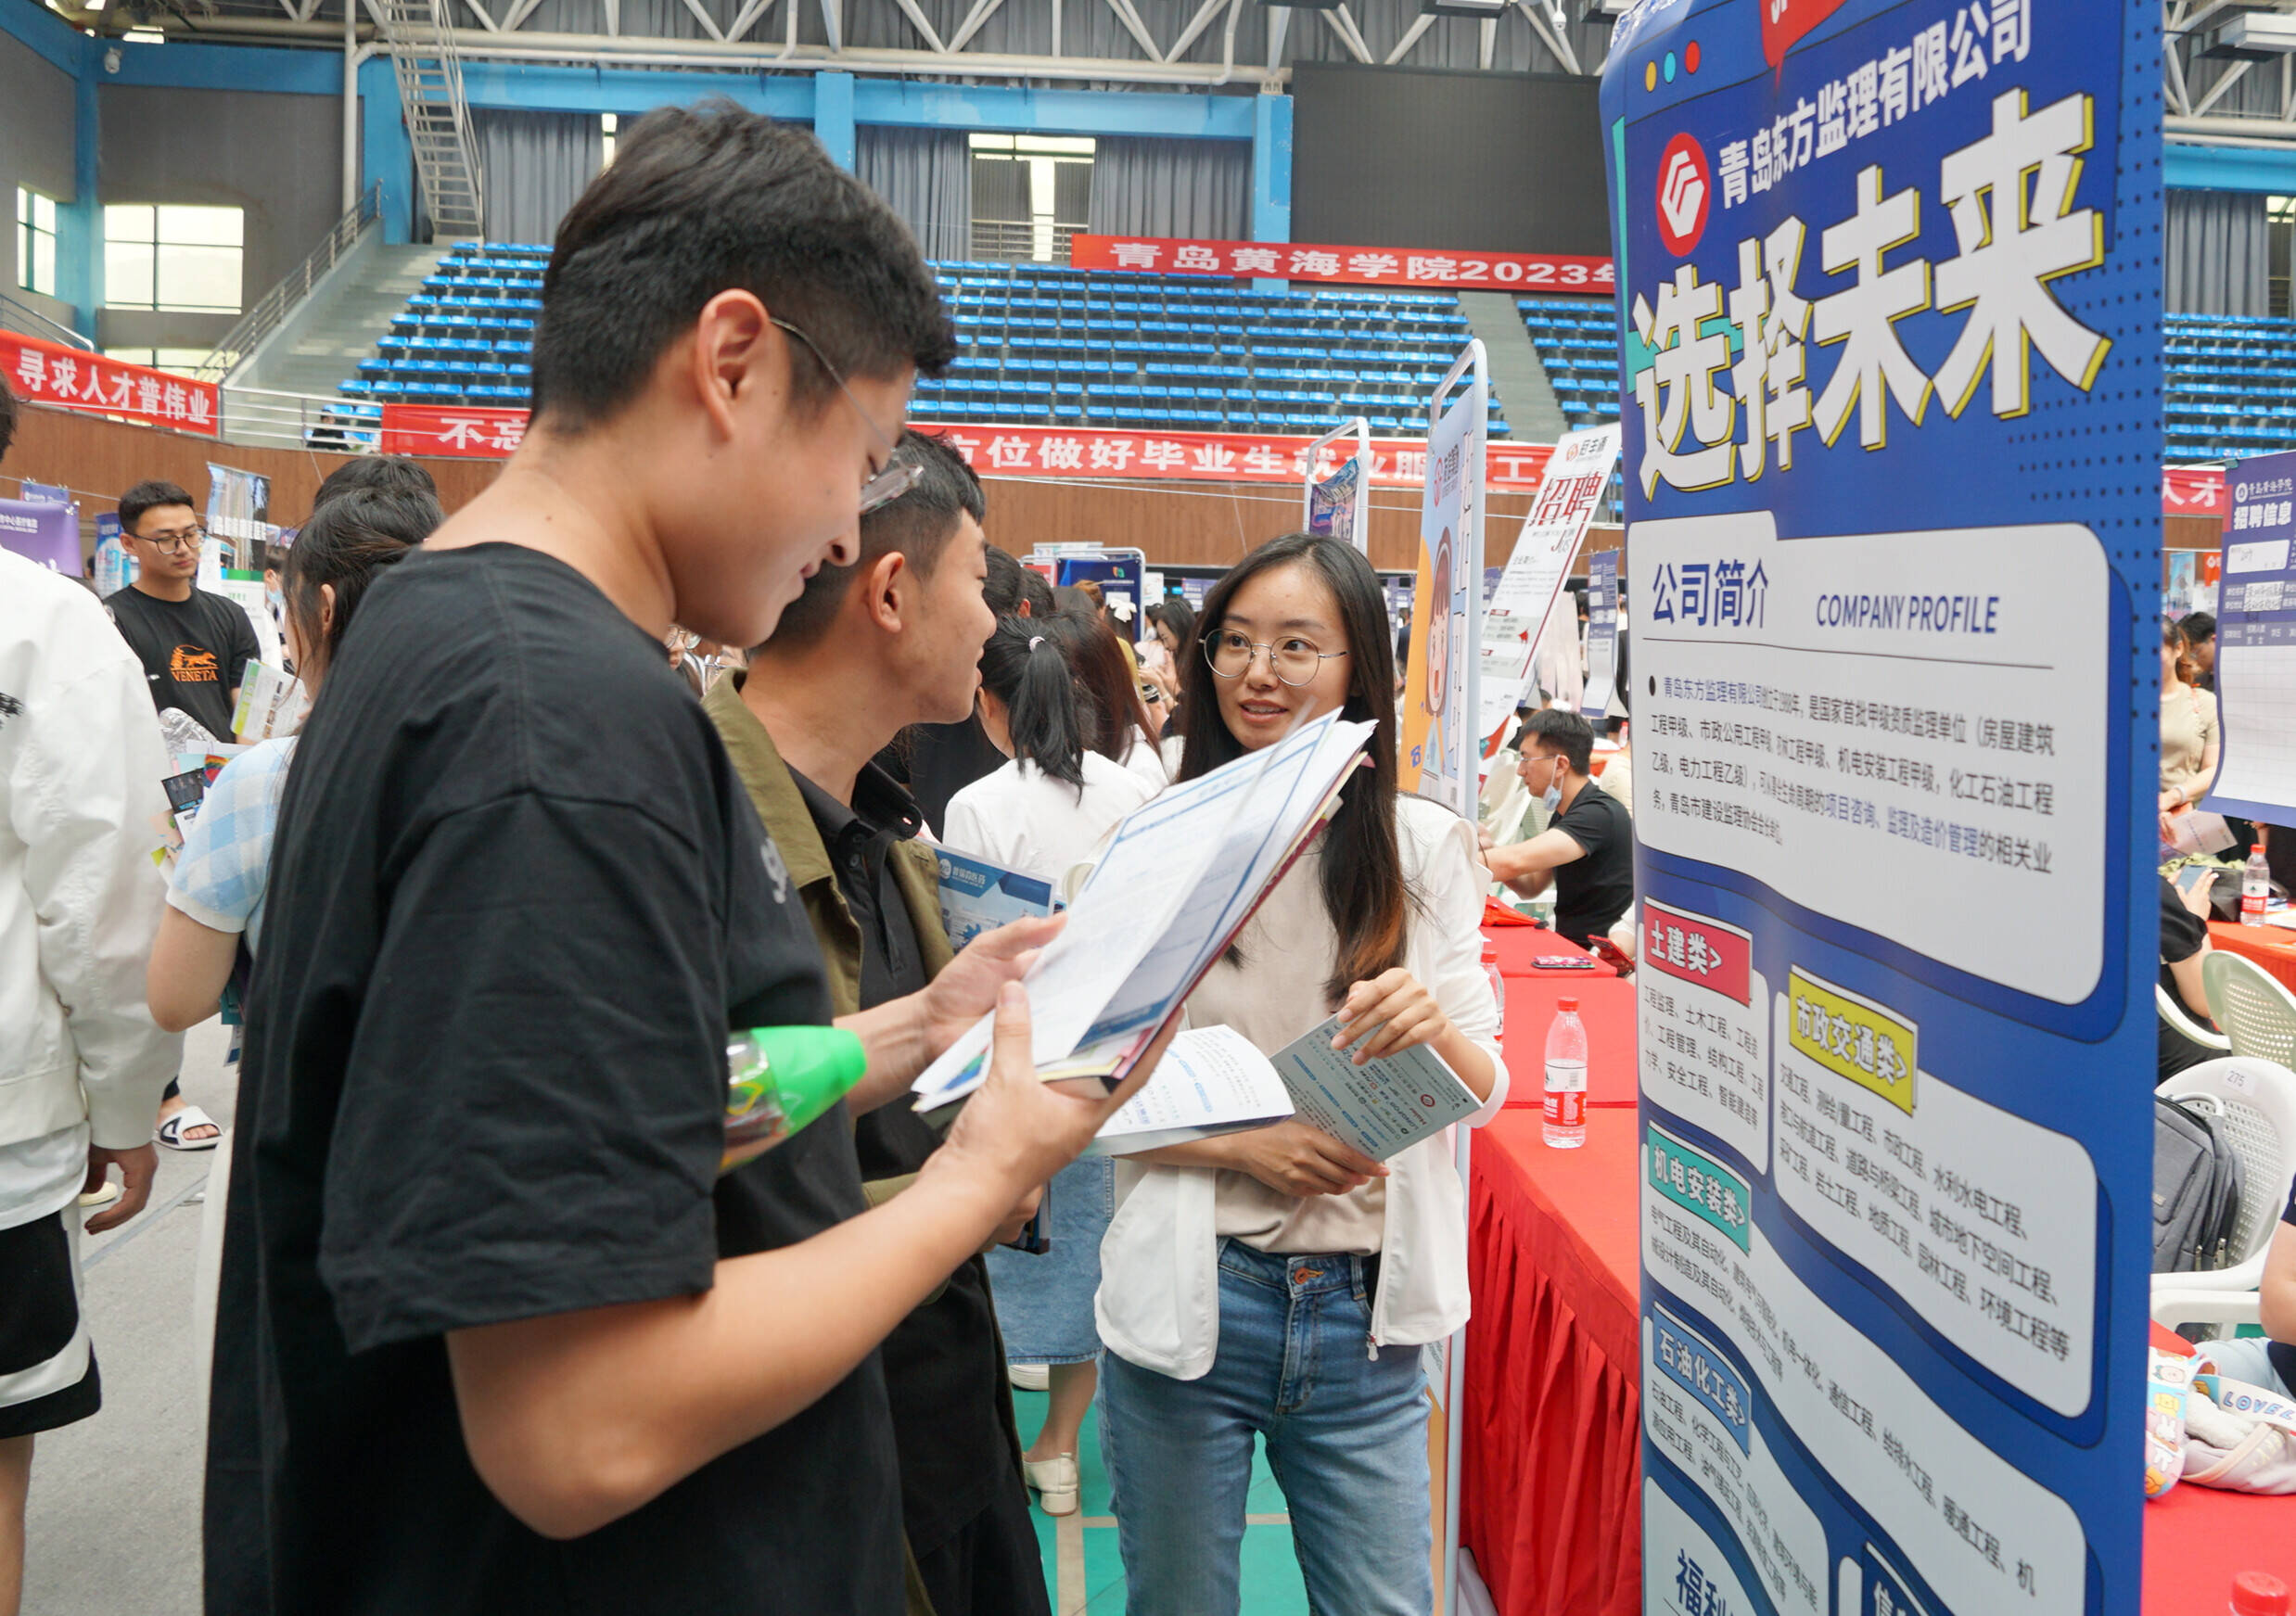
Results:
1085 1570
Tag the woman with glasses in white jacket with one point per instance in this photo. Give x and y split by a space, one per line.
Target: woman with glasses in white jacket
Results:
1274 1283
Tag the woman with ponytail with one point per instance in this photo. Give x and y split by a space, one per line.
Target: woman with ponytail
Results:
1042 814
1273 1284
216 891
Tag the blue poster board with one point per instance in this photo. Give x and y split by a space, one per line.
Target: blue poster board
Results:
2256 645
1889 288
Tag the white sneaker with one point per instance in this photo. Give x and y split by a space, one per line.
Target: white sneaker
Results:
1055 1480
1029 1376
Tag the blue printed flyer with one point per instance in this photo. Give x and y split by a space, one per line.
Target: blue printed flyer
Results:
1889 289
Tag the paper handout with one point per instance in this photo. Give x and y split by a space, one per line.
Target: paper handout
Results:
977 896
1211 1081
1380 1107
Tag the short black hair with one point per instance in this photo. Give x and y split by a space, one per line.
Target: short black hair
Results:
148 495
377 473
1566 734
919 524
1007 584
2198 627
7 419
704 199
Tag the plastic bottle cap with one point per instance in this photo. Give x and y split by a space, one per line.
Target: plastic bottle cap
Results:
1569 1004
812 1067
2259 1594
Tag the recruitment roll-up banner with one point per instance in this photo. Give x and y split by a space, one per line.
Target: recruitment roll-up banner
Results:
1337 499
2256 645
1438 698
1602 635
1891 294
1525 598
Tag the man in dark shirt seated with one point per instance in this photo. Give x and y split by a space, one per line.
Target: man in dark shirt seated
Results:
895 639
1587 850
2184 945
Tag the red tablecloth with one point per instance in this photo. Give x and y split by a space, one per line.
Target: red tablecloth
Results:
2197 1539
2270 947
1552 1459
1605 1005
1518 945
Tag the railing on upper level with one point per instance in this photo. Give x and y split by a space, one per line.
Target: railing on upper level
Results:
300 421
27 321
273 308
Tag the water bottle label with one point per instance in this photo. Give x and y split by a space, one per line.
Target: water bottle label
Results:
1566 1107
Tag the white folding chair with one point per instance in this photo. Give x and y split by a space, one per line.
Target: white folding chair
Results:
2254 1102
2257 1013
2180 1020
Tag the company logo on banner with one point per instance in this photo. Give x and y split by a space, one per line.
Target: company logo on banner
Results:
1061 451
1896 799
1356 266
74 379
1684 189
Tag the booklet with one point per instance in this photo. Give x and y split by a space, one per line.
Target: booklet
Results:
1176 882
271 702
977 896
1379 1108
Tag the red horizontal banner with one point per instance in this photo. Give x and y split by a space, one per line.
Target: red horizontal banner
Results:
1062 452
1348 266
2193 491
73 378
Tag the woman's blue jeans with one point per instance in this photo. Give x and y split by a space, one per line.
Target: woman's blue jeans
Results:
1347 1435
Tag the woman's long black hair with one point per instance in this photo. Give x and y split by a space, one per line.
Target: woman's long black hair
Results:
1361 867
1024 668
349 538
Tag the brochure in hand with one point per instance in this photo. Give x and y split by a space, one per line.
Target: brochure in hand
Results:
1212 1081
977 896
1180 877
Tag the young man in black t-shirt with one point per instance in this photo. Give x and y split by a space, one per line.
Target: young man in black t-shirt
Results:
495 1331
892 640
1587 850
194 645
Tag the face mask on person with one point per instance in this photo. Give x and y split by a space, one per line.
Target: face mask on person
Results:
1551 798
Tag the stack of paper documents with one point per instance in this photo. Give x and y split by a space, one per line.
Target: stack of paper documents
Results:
1176 883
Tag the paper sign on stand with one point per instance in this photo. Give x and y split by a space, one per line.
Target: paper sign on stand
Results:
1895 794
1530 588
2256 645
1602 635
1338 498
1436 759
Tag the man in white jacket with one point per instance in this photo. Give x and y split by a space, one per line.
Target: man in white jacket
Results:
82 1065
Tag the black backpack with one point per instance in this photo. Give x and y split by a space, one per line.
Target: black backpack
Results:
2196 1187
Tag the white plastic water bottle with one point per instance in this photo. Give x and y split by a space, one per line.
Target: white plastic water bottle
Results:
2256 888
1565 1122
1499 986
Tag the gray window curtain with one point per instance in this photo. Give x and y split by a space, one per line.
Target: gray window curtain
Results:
535 164
2219 254
926 176
1152 186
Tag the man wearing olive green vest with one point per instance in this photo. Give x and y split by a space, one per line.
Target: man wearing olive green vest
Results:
866 651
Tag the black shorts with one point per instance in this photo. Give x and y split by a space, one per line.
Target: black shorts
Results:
47 1369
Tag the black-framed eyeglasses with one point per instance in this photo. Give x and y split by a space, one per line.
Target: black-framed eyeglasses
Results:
1293 660
189 539
901 469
